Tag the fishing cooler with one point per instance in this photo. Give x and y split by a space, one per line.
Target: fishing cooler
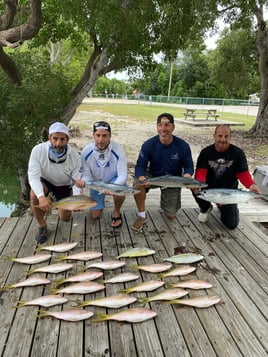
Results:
260 175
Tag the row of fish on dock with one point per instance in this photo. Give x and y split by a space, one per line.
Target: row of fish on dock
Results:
89 281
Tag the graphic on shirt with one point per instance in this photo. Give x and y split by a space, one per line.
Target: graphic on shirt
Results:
219 166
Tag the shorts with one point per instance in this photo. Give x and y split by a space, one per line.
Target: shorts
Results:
170 199
99 198
58 191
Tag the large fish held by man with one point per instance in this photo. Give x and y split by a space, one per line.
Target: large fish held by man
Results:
226 196
173 181
111 188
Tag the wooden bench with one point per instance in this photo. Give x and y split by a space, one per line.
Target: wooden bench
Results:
191 113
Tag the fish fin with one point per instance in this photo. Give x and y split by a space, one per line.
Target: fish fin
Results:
31 271
59 281
41 313
101 317
20 303
53 290
169 285
159 259
7 287
60 258
79 303
124 291
143 300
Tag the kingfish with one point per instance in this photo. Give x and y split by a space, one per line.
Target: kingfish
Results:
136 252
72 315
184 258
198 301
167 294
45 301
59 248
112 188
111 302
33 281
33 259
129 315
226 196
84 256
174 181
146 286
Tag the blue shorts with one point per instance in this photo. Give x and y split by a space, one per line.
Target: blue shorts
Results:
99 197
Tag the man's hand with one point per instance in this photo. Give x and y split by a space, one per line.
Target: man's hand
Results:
254 188
44 204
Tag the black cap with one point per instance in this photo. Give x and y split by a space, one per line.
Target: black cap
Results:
165 118
101 125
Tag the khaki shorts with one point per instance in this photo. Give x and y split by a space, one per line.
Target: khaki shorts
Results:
170 199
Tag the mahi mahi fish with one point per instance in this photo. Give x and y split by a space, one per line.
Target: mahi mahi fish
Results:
174 181
136 252
226 196
112 188
72 315
129 315
74 203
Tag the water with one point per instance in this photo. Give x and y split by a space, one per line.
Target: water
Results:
9 194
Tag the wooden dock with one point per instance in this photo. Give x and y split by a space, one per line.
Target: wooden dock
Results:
235 263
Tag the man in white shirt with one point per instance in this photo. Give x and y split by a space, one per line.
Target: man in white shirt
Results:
104 160
51 165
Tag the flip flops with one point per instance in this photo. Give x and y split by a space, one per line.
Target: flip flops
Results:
116 219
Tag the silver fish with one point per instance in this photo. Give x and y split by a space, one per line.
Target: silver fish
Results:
198 301
59 248
129 315
33 259
226 196
52 268
174 181
45 301
84 256
72 315
145 286
32 281
112 188
136 252
107 265
80 288
86 276
121 278
111 302
180 271
167 294
193 284
153 268
184 258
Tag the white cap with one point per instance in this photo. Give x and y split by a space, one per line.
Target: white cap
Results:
58 128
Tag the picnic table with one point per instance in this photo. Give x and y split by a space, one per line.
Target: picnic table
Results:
191 113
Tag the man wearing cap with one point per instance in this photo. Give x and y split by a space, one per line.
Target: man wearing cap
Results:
51 165
104 160
163 154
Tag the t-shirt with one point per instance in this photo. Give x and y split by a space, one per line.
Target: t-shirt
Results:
222 167
173 159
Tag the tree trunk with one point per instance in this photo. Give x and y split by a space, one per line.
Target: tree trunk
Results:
260 127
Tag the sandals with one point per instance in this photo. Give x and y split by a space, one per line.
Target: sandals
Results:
116 219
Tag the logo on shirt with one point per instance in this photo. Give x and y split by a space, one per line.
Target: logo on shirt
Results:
220 166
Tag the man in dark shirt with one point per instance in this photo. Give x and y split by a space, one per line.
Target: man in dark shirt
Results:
163 154
222 165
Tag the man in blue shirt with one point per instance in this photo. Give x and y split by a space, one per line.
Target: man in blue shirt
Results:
163 154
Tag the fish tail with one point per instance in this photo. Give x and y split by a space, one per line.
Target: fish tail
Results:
79 303
159 259
143 300
101 317
134 266
125 291
176 301
31 271
61 258
41 313
169 285
53 290
4 288
20 303
59 281
160 275
9 258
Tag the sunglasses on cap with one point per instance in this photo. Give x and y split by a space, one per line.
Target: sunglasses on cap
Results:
101 125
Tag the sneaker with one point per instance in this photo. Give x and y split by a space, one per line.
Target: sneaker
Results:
203 216
139 223
41 237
